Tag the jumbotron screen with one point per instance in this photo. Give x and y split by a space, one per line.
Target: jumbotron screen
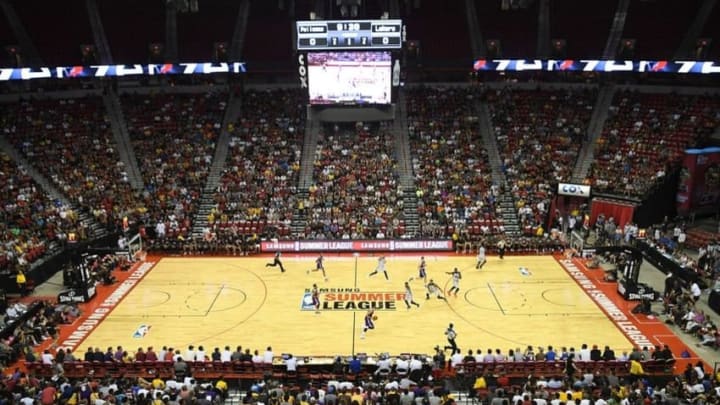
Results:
349 77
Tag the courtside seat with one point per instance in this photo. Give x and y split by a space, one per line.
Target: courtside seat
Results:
39 369
76 369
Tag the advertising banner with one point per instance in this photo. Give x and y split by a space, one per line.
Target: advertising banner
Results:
63 72
355 245
596 65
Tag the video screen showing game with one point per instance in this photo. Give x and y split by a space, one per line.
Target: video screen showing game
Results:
349 78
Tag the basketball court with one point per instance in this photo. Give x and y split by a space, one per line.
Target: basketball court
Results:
218 302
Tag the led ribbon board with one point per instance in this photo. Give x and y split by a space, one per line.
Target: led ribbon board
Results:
595 65
64 72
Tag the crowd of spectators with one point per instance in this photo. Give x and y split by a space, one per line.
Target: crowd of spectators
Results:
355 192
25 326
30 219
450 165
174 138
646 135
73 139
258 189
588 375
539 134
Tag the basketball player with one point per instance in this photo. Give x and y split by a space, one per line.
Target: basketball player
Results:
422 270
481 259
501 248
409 296
380 268
433 289
276 262
456 276
316 298
451 335
319 266
369 322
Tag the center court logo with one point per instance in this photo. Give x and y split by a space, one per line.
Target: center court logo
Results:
352 299
141 331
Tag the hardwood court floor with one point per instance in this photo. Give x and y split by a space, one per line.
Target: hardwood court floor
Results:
216 302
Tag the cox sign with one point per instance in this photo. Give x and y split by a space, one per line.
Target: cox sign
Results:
575 190
302 71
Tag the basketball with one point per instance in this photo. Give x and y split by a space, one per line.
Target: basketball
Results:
375 318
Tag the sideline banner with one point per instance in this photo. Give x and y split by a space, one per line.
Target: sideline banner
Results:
397 245
596 65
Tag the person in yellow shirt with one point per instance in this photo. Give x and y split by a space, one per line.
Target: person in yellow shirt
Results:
356 396
21 281
158 383
221 386
636 369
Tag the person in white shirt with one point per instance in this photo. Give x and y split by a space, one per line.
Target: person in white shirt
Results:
479 356
554 383
415 364
584 354
46 357
268 355
257 358
160 230
226 355
12 312
456 359
27 401
695 291
489 357
200 354
122 242
401 366
481 259
189 354
392 386
519 356
291 364
384 366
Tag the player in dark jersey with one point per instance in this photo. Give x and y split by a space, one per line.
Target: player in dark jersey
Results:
422 270
316 298
320 266
276 262
369 322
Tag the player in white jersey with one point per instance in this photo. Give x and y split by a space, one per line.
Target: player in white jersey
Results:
380 268
433 289
456 276
409 296
481 259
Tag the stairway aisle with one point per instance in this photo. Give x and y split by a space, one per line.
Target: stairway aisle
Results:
405 168
595 127
207 200
506 201
312 134
121 135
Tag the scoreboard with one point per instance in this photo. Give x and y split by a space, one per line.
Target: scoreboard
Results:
349 34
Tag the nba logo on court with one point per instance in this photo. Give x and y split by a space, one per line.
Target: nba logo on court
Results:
307 302
141 331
